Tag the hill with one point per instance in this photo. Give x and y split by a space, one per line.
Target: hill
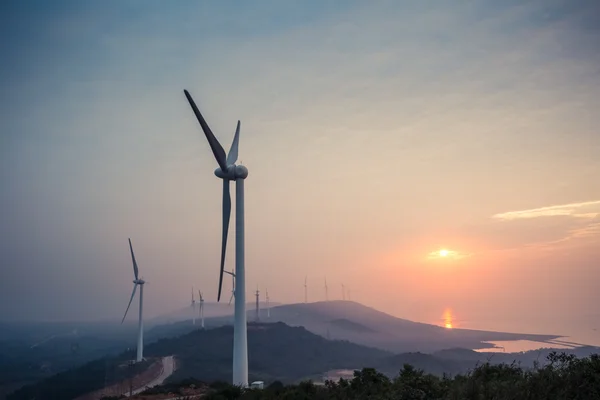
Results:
277 352
347 320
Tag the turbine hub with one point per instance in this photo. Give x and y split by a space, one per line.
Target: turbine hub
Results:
233 172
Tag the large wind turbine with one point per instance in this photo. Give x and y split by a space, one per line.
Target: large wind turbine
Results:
229 171
137 282
201 310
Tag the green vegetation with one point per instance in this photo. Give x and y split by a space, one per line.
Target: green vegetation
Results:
563 377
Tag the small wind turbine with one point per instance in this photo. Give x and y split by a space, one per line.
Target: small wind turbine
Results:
229 171
305 291
257 305
232 285
193 308
268 308
326 291
201 309
137 282
343 292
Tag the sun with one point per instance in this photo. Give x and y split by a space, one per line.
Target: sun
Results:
448 325
444 253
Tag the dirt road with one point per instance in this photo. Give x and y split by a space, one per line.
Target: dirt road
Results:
168 367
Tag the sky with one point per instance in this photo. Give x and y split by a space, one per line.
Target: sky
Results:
375 134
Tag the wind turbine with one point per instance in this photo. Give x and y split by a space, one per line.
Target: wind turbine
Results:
305 291
137 282
201 310
193 308
232 285
229 171
268 308
257 305
326 291
343 292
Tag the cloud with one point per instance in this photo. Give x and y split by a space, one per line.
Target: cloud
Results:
552 211
581 225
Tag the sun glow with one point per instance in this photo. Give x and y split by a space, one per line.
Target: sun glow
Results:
448 317
447 254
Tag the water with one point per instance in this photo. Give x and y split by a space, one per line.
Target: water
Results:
581 329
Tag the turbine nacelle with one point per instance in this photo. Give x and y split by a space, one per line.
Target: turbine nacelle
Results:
233 172
139 281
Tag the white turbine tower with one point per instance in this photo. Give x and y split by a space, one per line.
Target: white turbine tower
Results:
193 308
201 309
137 282
229 171
326 291
232 285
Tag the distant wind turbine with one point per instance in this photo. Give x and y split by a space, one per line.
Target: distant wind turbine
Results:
193 308
232 284
137 282
305 291
201 309
268 307
229 171
343 292
326 291
257 305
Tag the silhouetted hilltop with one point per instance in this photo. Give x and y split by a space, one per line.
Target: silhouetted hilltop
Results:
275 352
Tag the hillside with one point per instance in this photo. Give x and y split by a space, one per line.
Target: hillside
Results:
277 352
347 320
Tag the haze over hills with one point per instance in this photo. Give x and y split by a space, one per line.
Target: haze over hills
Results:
352 321
211 309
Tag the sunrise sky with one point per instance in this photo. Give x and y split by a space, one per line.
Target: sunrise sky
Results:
376 134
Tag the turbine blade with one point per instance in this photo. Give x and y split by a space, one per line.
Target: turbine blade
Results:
231 298
233 151
226 215
130 300
215 146
135 267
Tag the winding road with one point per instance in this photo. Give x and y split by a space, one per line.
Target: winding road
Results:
168 367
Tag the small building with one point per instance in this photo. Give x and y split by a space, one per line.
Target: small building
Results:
257 385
